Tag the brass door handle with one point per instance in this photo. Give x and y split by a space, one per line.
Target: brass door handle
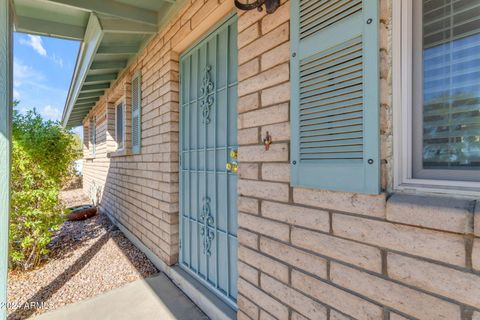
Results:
232 166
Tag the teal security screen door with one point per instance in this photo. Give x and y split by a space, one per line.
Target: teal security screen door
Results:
208 152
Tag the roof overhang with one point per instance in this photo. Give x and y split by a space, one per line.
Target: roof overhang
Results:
112 32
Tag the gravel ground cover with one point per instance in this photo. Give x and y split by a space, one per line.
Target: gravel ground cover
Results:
88 258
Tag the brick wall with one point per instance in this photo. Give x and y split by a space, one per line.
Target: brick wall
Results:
141 191
303 254
313 254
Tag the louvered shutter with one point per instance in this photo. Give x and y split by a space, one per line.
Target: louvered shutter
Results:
136 113
335 103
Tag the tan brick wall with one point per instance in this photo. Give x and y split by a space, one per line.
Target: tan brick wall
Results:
141 191
303 253
317 254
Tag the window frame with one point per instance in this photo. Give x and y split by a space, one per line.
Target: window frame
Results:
117 104
402 94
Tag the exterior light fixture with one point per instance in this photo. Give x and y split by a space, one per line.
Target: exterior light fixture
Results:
271 5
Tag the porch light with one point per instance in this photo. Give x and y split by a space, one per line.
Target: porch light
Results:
271 5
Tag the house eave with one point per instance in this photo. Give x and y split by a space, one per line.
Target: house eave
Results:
93 37
112 33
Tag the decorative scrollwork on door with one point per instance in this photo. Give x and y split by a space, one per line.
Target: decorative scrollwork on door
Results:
206 220
207 98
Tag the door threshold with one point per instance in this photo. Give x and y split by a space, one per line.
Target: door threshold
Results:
207 301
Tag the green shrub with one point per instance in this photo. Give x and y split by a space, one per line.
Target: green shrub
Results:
42 159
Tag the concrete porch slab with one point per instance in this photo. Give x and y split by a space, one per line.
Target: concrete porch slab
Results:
151 298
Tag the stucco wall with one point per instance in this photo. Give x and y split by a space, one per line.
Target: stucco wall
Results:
303 254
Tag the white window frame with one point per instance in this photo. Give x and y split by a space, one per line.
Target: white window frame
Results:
402 112
122 102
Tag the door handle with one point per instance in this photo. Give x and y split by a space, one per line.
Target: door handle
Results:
232 166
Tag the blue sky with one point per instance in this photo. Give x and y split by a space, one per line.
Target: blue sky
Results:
42 73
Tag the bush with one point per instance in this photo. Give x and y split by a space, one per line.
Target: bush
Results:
42 160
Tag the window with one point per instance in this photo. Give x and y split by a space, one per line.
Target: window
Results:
437 46
93 135
119 125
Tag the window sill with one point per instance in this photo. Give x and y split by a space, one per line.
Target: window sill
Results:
457 189
119 153
89 158
445 213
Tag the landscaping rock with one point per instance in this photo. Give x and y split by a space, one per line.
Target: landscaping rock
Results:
87 258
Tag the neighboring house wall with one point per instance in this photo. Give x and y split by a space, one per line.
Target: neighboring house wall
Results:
303 254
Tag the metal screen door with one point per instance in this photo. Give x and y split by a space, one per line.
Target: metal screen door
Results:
208 152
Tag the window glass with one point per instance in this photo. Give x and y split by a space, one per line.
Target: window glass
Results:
93 135
446 89
119 126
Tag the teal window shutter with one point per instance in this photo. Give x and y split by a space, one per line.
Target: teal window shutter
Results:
136 113
335 95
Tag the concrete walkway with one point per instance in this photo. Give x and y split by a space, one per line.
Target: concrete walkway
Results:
148 299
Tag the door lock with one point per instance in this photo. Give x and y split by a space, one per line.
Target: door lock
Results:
232 166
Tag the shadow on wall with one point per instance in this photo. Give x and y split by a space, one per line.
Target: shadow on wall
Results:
138 191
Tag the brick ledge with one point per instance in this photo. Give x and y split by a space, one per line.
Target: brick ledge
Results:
434 212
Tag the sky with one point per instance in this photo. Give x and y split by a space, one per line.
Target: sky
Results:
42 73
